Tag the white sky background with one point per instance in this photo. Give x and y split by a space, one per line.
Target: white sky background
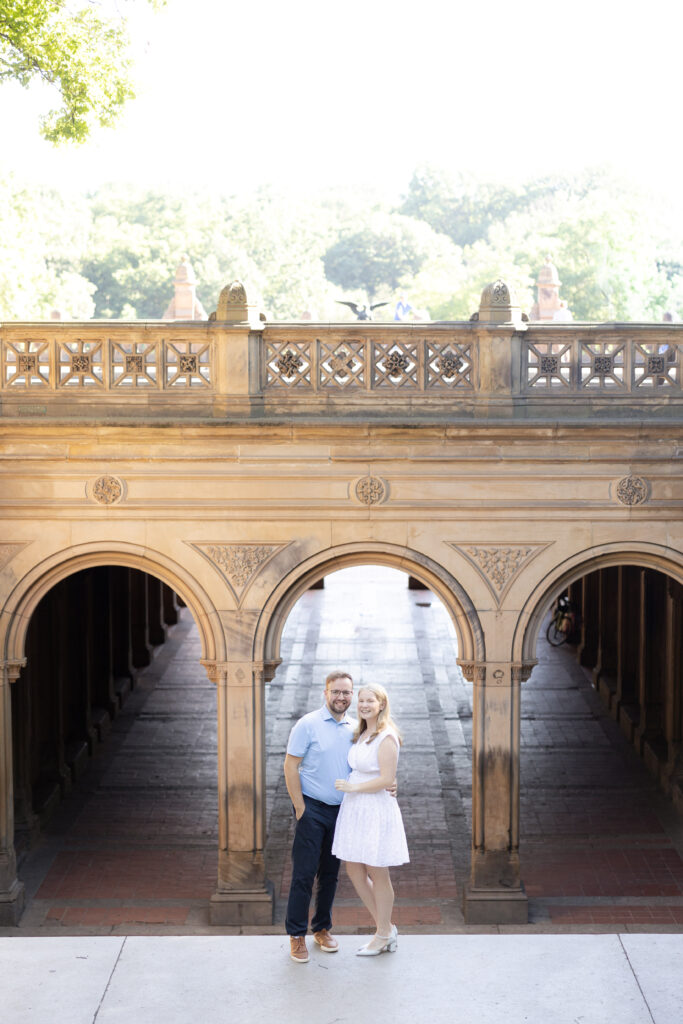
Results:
310 94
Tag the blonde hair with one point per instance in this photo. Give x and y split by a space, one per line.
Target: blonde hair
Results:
384 719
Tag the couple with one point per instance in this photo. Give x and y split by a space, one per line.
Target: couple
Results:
344 817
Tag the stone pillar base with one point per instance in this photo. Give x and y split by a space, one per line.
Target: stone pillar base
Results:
12 905
495 906
245 907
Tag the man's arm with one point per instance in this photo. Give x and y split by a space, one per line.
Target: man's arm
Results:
293 783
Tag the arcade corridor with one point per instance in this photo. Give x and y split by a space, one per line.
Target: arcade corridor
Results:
132 847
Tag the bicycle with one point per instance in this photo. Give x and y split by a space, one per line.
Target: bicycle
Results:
561 623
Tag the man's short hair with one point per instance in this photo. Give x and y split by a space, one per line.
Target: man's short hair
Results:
334 676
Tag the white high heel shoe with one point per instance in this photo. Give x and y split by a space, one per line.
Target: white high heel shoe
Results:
390 944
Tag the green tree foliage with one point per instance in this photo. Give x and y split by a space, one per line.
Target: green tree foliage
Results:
464 209
42 238
76 50
380 257
114 253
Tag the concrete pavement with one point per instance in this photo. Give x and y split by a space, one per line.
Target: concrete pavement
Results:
519 979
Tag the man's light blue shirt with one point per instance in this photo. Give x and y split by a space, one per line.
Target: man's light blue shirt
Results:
323 743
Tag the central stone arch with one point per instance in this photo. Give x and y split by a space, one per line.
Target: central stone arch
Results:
471 641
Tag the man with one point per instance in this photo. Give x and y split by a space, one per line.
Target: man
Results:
317 754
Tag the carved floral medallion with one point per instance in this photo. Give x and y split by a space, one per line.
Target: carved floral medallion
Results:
106 490
371 490
632 490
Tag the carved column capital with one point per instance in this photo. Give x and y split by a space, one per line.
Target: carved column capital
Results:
496 673
233 673
522 670
11 670
217 671
473 671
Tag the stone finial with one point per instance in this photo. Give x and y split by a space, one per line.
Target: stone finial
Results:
548 305
184 305
499 304
233 305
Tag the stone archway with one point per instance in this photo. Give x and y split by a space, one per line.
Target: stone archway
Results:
23 599
616 683
650 556
471 641
495 892
15 618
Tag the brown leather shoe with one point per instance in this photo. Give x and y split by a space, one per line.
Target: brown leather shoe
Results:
327 942
297 949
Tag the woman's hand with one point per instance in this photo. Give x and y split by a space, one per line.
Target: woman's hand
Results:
344 786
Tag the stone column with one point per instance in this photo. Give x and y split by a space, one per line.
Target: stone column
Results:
495 894
673 719
122 645
587 652
605 672
155 611
170 605
242 896
101 651
142 654
629 648
650 732
11 889
59 597
25 820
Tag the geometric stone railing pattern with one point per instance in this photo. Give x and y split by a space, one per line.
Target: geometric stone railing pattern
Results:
562 364
105 363
336 365
367 364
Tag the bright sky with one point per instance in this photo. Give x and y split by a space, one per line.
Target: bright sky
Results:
315 94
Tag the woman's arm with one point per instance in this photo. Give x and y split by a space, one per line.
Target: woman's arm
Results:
387 756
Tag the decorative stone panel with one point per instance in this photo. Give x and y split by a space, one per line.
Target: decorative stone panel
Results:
602 365
187 364
342 364
288 364
395 364
238 564
80 364
449 365
8 552
498 564
134 364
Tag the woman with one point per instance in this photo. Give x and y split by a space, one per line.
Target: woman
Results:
369 835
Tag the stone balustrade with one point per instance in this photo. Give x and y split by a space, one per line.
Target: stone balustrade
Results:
240 366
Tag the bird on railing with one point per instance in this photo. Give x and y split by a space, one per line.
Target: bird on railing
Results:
362 312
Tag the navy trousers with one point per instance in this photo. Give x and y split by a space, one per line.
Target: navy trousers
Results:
312 859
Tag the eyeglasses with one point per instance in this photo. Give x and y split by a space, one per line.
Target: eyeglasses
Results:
341 693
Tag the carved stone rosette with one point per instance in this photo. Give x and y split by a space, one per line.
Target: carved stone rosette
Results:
498 564
106 490
238 564
370 490
632 490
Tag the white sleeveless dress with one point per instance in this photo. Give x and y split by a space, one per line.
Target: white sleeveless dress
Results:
369 826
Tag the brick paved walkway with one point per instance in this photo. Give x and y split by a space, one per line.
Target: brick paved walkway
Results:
133 848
